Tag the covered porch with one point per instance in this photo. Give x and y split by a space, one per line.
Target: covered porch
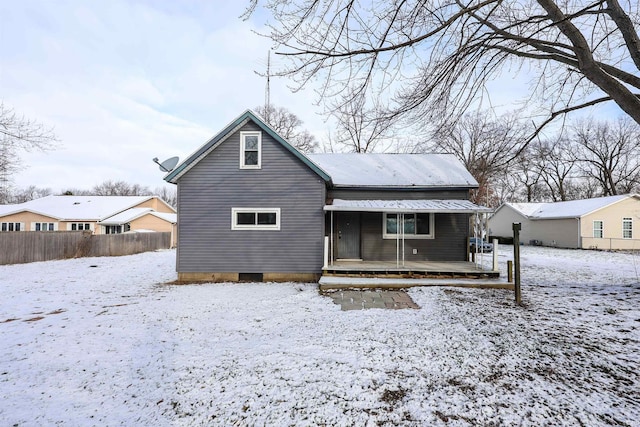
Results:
403 239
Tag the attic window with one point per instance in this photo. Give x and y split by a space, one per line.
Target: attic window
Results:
250 150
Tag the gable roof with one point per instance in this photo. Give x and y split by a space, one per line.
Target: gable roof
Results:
570 209
86 208
231 128
525 209
135 213
394 170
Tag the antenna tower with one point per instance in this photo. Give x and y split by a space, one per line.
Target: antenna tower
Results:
267 94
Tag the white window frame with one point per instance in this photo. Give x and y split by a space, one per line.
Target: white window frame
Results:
71 224
601 229
109 228
243 135
54 226
265 227
628 221
5 224
432 227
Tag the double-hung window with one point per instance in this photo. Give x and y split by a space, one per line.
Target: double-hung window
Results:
414 225
79 226
11 226
255 218
598 229
112 229
627 228
44 226
250 150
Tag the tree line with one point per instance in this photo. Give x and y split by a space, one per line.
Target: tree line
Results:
106 188
584 159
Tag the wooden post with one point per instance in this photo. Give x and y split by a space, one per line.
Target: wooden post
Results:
510 271
495 255
516 260
326 253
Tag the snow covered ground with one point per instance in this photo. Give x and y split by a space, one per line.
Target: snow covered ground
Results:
101 341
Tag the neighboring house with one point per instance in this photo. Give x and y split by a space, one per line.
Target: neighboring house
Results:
250 206
98 214
600 223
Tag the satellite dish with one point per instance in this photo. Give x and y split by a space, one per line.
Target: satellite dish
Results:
167 165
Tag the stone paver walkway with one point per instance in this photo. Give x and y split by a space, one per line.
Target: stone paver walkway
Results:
360 300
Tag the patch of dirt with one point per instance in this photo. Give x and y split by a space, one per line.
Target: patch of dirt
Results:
391 397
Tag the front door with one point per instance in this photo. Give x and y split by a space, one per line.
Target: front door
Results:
348 235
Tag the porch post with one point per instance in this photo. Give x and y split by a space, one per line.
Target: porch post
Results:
397 241
325 264
331 238
403 240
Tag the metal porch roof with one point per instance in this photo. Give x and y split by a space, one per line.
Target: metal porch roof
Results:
419 206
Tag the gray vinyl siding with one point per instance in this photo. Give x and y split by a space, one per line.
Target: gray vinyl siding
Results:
448 244
396 194
216 184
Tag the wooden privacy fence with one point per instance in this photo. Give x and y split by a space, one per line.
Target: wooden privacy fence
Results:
32 246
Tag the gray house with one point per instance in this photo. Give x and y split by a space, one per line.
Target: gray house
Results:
252 207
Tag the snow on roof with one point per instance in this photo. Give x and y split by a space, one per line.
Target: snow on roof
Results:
169 217
86 208
525 208
126 216
575 208
134 213
394 170
570 209
458 206
7 209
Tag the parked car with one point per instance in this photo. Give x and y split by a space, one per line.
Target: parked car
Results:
482 246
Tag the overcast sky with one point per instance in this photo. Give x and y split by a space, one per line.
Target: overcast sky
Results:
123 82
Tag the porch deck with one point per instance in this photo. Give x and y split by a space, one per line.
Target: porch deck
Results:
387 274
410 269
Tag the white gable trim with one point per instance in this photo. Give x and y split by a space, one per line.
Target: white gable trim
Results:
206 153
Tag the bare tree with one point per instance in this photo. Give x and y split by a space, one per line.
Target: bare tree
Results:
18 134
609 153
75 192
434 59
526 177
30 193
360 127
288 125
119 188
555 164
485 145
168 194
